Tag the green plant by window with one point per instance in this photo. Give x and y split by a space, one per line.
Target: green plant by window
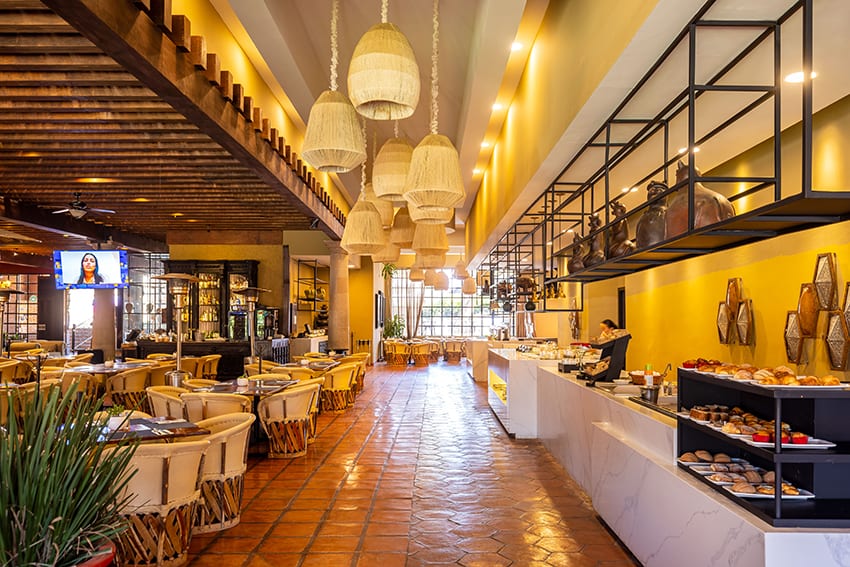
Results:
394 328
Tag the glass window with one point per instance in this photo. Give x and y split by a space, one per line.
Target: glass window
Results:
447 313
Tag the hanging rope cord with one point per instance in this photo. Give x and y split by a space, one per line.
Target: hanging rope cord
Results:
384 4
334 43
435 56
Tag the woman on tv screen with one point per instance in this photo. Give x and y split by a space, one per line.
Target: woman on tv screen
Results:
89 273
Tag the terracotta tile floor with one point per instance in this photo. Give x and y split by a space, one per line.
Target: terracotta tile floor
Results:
418 472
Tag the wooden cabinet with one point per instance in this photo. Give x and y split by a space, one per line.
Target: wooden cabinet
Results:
311 293
821 413
213 297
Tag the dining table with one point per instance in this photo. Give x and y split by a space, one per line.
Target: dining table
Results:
155 429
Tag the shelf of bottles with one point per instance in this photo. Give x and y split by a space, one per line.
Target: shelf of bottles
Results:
21 321
209 300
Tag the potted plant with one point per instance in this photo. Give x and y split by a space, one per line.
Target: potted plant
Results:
61 495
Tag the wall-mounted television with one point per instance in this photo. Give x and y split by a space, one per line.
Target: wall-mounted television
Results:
74 269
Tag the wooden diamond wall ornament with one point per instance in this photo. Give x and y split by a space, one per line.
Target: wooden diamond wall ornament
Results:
733 295
793 340
807 310
847 305
724 323
825 282
837 341
744 322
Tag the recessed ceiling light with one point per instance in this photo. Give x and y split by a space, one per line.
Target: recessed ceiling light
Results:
633 190
96 180
140 200
626 189
497 106
30 154
516 46
685 150
797 77
485 144
191 220
175 215
476 171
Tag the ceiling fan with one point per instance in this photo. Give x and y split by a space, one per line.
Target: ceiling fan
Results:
78 208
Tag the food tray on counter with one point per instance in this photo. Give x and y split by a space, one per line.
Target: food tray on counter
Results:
803 495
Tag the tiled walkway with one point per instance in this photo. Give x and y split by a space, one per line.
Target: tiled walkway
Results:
418 472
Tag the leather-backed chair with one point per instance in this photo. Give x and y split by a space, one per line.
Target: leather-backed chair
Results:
285 418
336 392
128 388
313 429
223 472
165 401
206 405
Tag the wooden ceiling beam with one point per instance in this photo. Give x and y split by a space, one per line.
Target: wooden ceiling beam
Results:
97 117
62 79
143 49
64 224
53 62
127 93
14 42
83 106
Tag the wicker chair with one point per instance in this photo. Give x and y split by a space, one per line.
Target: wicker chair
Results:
193 383
421 354
192 365
163 496
26 392
206 405
128 388
313 429
165 401
361 359
285 418
159 356
223 473
336 393
8 369
254 367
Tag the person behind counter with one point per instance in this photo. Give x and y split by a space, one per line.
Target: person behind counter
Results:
607 330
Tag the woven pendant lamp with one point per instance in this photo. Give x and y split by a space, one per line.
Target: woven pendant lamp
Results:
383 76
401 233
389 254
430 239
460 270
434 182
364 232
468 286
385 208
431 261
389 172
430 278
333 141
441 281
419 216
416 274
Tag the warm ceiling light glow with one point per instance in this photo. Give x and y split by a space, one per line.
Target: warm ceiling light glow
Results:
175 215
476 171
516 46
497 106
797 77
633 190
30 154
626 189
485 144
191 220
684 150
96 180
140 200
571 230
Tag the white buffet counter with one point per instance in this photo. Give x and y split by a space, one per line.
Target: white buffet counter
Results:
622 454
512 390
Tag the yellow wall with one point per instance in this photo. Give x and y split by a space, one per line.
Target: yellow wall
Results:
205 21
672 309
575 48
362 301
269 271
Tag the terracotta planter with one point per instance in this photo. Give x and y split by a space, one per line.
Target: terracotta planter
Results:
102 559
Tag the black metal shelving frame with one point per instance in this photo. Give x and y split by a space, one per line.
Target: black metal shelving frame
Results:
821 413
565 206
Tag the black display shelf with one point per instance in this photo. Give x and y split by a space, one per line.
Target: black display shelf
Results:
819 413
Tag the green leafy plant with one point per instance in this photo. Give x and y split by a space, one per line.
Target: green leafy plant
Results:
394 328
61 494
387 271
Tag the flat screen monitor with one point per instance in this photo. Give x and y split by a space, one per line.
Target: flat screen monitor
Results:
74 269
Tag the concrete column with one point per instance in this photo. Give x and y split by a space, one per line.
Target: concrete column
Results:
339 327
103 322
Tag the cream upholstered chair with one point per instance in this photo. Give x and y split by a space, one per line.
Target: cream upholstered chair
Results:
159 356
205 405
297 372
361 359
165 401
336 393
223 473
156 374
454 350
254 367
128 388
313 429
285 418
162 498
208 366
192 383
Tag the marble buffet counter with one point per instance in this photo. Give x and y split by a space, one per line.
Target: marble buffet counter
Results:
623 455
512 389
